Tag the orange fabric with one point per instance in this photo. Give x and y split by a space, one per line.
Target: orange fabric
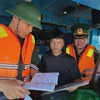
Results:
27 50
26 72
8 73
86 78
10 52
85 62
71 50
13 73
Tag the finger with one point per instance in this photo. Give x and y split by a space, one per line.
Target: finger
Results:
17 95
23 90
10 97
22 95
20 82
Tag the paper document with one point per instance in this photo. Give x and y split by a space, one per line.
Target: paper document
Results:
27 97
43 82
69 87
46 78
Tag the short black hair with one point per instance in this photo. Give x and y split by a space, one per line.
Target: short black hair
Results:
57 35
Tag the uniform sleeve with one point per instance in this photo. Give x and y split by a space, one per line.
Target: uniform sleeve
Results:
74 71
35 59
42 66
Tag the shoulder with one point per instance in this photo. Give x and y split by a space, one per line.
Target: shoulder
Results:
65 55
69 61
91 46
46 54
32 36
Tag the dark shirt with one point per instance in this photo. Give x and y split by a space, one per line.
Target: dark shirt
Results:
63 63
21 40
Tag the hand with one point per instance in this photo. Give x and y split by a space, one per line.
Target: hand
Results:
12 89
33 72
72 89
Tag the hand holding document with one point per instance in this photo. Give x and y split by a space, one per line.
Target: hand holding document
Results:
73 86
43 82
69 87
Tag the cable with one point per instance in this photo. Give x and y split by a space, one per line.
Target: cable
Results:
50 4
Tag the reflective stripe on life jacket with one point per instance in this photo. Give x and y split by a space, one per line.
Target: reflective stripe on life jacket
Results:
10 49
86 61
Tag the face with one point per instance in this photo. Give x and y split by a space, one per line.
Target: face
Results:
80 43
22 28
56 46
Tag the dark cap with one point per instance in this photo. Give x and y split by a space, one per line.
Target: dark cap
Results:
80 30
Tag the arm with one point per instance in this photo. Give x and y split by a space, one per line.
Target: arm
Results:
13 89
35 58
34 70
75 75
74 71
34 62
42 66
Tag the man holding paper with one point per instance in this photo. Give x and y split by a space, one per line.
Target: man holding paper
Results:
58 61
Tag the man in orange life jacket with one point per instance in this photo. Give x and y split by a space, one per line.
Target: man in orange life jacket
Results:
16 47
85 54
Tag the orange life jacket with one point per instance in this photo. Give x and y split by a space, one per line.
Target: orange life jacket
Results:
86 62
10 49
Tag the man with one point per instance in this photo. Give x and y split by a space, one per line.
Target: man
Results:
16 47
85 54
58 61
